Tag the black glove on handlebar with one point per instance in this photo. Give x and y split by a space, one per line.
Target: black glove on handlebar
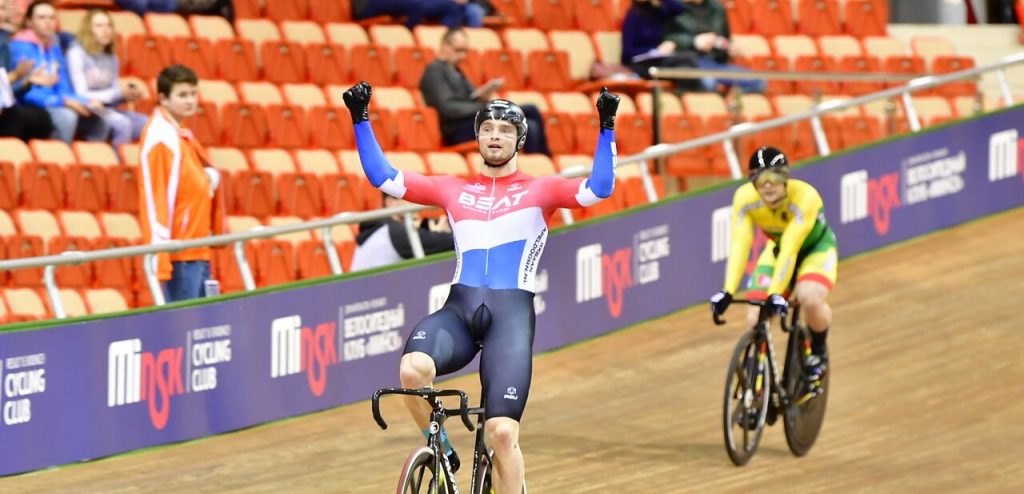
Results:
357 99
720 302
607 105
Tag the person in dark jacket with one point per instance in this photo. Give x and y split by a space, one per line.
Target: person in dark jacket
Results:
446 89
386 241
644 44
704 29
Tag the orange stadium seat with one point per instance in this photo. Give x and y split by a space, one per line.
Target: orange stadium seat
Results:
148 54
330 128
417 129
595 15
549 70
244 124
558 128
819 17
205 124
772 17
866 17
105 300
80 276
513 10
680 128
313 260
553 14
8 186
326 64
288 11
410 62
343 192
22 245
507 63
739 14
248 9
300 194
275 262
197 54
580 49
331 10
166 24
374 64
236 60
25 304
211 27
283 61
286 126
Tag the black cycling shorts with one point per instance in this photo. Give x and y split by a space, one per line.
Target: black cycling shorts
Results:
498 323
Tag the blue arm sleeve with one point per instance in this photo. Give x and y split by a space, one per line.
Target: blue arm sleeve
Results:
602 178
376 167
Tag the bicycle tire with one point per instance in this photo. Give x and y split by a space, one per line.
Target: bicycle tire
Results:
482 482
802 421
417 472
742 397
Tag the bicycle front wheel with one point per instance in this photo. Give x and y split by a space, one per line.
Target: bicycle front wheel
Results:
418 472
482 481
747 396
805 414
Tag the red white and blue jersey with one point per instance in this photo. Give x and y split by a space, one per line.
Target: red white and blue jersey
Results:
500 224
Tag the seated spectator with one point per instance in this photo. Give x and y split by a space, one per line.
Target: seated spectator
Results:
23 122
446 89
51 87
703 28
448 12
474 11
223 8
644 44
94 70
386 241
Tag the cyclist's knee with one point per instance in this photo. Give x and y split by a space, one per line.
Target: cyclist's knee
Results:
752 315
417 370
502 434
811 294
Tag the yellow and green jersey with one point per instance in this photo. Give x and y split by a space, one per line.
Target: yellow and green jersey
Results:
796 225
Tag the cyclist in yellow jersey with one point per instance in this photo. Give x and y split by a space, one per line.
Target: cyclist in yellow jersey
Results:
799 261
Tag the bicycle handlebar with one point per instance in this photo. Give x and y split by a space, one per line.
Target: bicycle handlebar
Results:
429 394
759 303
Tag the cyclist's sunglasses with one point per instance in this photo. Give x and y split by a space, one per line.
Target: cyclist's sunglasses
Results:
778 176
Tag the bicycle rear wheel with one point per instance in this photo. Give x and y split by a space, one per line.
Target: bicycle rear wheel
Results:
746 399
417 473
482 482
805 415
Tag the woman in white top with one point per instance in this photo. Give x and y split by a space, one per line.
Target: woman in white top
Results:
94 71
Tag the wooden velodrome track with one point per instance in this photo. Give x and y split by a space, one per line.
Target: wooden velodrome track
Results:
928 375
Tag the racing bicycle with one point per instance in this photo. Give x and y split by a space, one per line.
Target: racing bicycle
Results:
420 473
756 392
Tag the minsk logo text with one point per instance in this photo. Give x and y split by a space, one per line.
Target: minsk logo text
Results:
294 348
611 274
861 195
1004 155
154 377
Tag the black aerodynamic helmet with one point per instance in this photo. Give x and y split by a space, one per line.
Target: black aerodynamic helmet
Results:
503 109
767 158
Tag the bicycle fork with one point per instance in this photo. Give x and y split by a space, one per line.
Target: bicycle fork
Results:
441 464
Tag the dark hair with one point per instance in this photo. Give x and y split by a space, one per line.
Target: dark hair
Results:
32 10
174 74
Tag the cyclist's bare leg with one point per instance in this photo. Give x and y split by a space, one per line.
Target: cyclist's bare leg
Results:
813 298
752 314
417 370
502 435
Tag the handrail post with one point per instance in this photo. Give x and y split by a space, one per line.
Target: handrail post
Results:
819 136
1004 87
730 156
566 216
908 108
648 183
332 253
243 266
414 237
49 279
149 268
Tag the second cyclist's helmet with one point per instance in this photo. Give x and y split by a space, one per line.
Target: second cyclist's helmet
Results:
767 158
503 109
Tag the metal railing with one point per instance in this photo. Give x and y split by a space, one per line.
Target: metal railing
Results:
325 225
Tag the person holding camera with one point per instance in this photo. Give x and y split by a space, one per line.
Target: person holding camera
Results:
704 29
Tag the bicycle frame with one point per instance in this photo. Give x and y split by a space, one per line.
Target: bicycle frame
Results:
780 398
438 415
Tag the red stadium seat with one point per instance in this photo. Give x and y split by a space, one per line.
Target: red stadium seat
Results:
330 128
148 54
772 17
819 17
553 14
283 61
236 60
326 64
417 129
867 17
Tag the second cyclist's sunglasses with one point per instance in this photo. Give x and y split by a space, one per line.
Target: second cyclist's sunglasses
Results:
776 176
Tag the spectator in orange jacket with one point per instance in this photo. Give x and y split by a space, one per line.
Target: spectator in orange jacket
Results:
179 197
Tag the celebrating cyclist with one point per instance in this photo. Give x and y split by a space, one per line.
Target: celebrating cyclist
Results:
500 223
791 213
